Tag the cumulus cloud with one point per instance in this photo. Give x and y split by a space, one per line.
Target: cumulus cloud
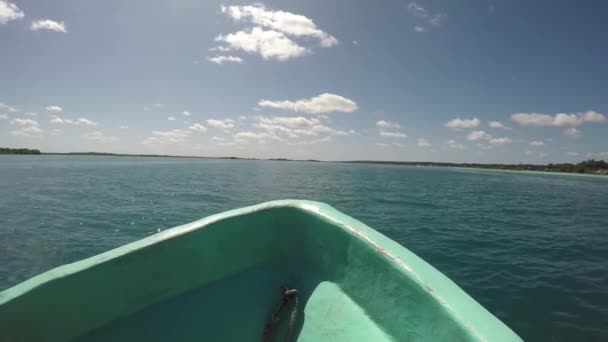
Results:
25 128
171 118
9 12
3 116
186 113
537 143
221 59
277 128
268 43
419 29
324 103
5 107
453 144
48 25
458 123
498 124
573 132
424 143
225 123
558 120
197 127
55 119
292 24
499 141
292 122
54 109
478 135
393 135
100 137
250 136
167 137
387 124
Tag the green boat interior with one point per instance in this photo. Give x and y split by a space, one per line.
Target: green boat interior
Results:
223 278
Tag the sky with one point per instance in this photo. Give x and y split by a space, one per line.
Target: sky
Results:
457 81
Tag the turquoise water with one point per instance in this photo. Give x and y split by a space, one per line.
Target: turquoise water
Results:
532 248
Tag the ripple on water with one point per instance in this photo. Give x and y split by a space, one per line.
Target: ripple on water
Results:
531 248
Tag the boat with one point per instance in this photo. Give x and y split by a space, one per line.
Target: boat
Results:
278 271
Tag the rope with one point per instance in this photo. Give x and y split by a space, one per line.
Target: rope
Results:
292 321
270 327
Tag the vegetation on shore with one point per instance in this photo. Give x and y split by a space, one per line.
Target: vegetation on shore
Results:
6 150
591 166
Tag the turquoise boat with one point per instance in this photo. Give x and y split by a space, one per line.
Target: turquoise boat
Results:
278 271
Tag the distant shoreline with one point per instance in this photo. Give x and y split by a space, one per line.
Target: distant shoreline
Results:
589 167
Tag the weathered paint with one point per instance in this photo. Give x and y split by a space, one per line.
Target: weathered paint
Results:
219 278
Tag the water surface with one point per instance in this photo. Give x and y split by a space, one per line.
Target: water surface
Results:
532 248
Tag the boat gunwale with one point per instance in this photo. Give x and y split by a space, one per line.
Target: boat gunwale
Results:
384 247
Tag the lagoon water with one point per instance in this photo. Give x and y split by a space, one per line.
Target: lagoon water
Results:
531 248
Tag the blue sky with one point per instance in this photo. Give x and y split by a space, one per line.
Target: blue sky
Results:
464 81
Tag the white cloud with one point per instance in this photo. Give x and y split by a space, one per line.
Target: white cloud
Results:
4 106
217 139
453 144
498 124
387 124
171 118
221 59
419 29
167 137
9 12
100 137
571 153
49 25
286 22
499 141
292 122
537 143
225 123
340 133
417 10
355 43
55 119
295 127
3 116
573 132
559 120
269 44
186 113
393 135
424 143
197 127
250 135
437 19
381 144
26 128
478 135
459 123
324 103
30 113
124 127
54 109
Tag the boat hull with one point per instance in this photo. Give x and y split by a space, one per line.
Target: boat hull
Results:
220 279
